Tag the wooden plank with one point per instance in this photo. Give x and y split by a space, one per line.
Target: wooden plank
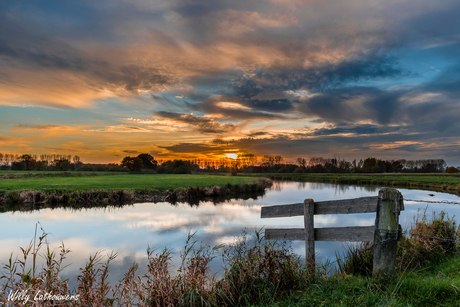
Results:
343 206
350 234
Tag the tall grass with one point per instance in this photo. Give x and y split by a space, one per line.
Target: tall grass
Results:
259 273
256 271
421 246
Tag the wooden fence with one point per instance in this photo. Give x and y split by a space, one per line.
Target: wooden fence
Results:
387 205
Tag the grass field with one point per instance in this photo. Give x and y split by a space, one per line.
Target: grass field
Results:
443 181
2 172
435 285
125 182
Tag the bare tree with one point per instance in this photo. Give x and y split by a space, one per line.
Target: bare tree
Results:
302 162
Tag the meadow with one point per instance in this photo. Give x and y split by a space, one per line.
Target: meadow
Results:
430 181
119 182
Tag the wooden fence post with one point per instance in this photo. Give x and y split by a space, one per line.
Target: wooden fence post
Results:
387 231
309 214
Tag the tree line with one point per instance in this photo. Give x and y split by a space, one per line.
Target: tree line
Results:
244 162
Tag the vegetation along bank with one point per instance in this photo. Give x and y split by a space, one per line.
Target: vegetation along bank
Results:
108 189
433 181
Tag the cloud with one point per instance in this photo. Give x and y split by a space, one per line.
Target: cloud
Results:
291 74
40 127
120 128
238 22
206 125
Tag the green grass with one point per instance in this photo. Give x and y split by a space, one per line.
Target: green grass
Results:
55 172
435 285
442 181
125 182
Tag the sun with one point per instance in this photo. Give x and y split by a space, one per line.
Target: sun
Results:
232 156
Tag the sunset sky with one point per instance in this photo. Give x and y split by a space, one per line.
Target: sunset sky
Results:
203 78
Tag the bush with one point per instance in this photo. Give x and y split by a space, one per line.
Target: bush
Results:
452 170
283 170
299 170
181 170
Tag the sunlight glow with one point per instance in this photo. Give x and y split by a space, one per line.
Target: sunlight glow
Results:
232 155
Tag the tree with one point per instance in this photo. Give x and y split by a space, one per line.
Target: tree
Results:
133 163
76 159
29 162
62 164
302 162
148 161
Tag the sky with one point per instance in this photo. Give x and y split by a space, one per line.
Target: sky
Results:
205 78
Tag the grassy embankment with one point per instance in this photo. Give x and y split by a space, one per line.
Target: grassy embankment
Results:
439 182
42 174
255 274
109 189
128 181
437 284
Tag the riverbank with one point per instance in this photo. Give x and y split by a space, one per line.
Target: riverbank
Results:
437 182
255 273
35 193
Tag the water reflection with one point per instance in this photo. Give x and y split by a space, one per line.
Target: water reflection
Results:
129 230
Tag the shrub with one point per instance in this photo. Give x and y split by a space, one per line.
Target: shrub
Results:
283 170
452 170
181 170
299 170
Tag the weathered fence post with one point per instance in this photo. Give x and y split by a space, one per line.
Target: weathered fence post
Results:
387 231
309 214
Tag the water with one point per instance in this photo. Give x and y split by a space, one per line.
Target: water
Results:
129 230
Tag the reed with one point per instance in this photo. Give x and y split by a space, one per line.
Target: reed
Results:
255 272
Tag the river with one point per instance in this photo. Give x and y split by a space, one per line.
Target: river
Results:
130 229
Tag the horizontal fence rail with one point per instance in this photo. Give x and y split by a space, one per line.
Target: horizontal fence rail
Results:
387 206
343 206
348 234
